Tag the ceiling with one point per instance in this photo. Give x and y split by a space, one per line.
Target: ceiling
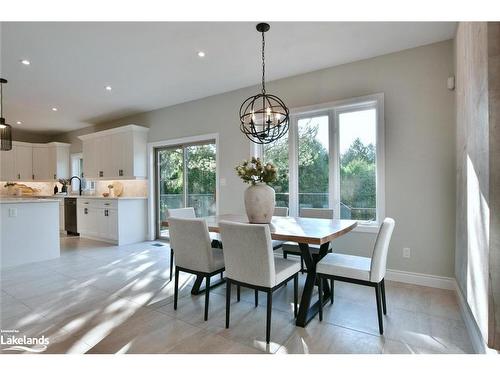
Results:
155 64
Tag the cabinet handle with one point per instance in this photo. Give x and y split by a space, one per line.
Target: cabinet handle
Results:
18 176
120 172
106 204
101 174
85 202
85 211
33 176
105 212
55 176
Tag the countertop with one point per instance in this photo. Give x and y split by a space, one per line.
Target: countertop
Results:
11 200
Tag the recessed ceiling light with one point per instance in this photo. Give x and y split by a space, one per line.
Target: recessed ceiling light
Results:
19 122
54 109
25 62
201 54
108 88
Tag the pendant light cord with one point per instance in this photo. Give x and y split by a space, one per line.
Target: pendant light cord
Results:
1 100
263 65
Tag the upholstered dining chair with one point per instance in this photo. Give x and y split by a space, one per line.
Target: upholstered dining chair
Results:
249 259
194 253
279 211
293 248
187 213
360 270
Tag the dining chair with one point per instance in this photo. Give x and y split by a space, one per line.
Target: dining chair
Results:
293 248
249 259
194 253
279 211
187 213
360 270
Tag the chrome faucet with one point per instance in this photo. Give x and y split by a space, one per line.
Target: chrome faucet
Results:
80 186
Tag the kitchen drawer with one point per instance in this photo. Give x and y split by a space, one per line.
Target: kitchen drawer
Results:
98 203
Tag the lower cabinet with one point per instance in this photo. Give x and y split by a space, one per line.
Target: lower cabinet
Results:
121 221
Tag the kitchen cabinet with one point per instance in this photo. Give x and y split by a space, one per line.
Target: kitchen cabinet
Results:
121 220
7 172
118 153
35 162
23 161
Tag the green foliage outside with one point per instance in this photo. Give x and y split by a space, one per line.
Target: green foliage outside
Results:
357 172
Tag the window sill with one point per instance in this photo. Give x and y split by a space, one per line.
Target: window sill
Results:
366 227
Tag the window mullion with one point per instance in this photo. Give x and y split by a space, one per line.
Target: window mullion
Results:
293 161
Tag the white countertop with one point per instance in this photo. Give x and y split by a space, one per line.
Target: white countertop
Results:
101 197
12 200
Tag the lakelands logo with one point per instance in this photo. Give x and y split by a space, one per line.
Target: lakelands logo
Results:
22 343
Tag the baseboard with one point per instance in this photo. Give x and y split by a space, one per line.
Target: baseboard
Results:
422 279
475 335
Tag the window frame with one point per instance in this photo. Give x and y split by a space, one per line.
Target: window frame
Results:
333 110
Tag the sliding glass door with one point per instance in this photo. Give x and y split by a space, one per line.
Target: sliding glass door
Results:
185 177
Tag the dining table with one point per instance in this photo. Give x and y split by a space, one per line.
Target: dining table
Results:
304 232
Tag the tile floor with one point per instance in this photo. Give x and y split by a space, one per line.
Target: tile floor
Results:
99 298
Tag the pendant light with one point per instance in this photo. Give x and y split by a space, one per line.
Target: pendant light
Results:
264 117
5 129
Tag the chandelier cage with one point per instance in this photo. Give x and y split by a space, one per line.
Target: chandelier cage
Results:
5 129
264 117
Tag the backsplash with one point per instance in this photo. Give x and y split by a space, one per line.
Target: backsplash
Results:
131 188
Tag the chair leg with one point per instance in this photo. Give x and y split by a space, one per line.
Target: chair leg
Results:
379 308
285 254
268 320
171 262
320 297
207 296
238 293
222 275
302 264
176 287
382 287
228 301
295 294
332 285
256 298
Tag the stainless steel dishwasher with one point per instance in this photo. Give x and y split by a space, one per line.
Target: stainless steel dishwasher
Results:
70 224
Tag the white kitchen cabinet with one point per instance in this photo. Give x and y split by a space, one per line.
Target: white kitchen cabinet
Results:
23 161
41 169
7 165
35 162
118 153
121 221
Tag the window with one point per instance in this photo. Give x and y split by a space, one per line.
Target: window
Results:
76 170
333 157
186 177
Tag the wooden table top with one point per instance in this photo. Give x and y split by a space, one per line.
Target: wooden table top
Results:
296 229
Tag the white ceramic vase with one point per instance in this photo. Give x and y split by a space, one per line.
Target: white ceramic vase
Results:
259 203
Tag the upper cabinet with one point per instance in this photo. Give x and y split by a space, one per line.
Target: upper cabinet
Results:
35 162
118 153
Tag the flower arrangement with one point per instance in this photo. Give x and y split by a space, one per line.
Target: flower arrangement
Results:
254 171
9 184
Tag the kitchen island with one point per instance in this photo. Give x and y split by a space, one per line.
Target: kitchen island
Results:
29 230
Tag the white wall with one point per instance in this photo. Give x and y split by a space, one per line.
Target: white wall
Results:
420 164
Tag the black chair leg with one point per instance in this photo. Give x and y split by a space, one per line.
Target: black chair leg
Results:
171 262
285 254
379 308
295 294
332 285
268 320
320 297
222 275
256 298
207 296
176 287
382 287
302 264
228 301
238 292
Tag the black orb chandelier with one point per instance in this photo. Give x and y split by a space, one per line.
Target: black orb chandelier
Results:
264 117
5 129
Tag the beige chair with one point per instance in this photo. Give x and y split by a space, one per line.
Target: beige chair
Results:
187 213
279 211
194 253
293 248
360 270
250 262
